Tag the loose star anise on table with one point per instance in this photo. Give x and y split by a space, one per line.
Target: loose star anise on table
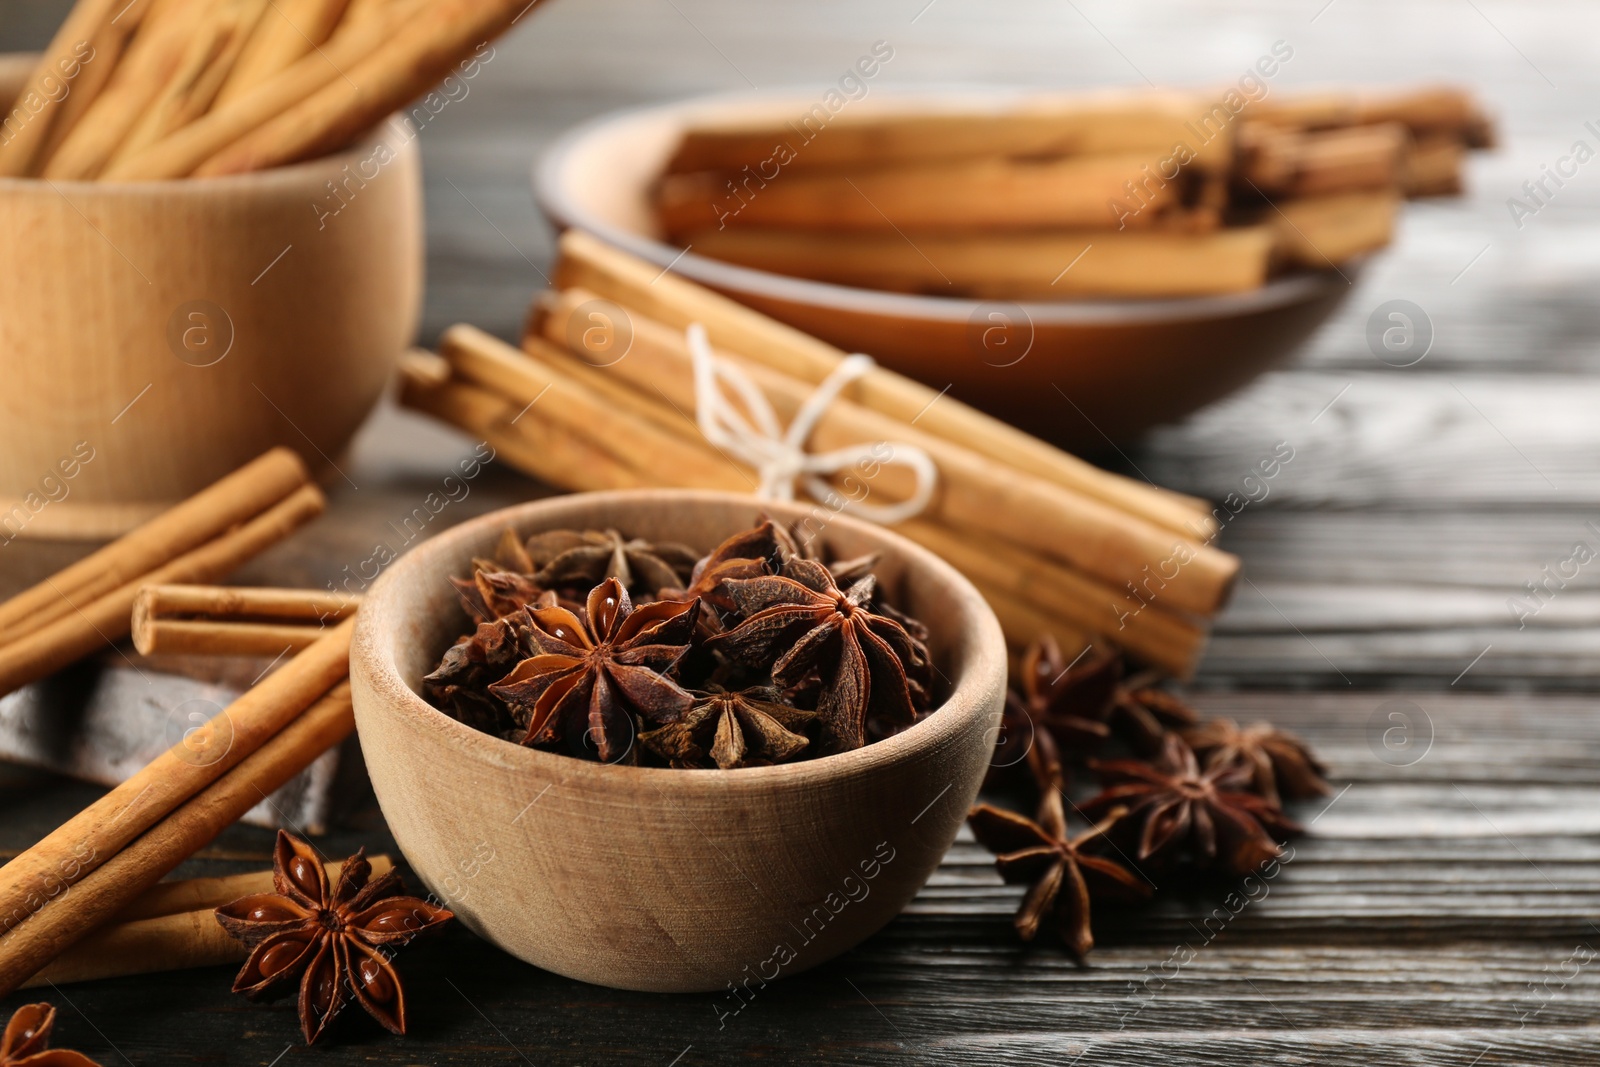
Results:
1071 700
748 728
1281 764
872 672
27 1037
1173 808
590 676
336 940
1063 876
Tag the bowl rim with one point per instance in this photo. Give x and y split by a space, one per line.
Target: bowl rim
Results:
372 656
291 174
565 210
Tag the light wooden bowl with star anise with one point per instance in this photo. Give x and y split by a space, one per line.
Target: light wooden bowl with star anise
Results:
656 878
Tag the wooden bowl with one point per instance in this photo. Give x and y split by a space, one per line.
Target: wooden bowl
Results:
658 879
1074 372
177 329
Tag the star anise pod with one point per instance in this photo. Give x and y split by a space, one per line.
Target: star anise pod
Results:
336 940
592 675
1143 715
870 668
1175 808
493 594
1071 700
1023 749
1281 765
26 1037
747 554
583 558
1063 876
458 686
748 728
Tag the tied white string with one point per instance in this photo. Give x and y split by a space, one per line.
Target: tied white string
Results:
778 455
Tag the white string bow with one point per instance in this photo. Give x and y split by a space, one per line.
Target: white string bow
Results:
778 455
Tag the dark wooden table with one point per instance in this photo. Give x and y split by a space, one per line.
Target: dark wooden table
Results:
1443 909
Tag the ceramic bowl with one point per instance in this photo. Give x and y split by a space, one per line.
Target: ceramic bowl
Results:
1090 370
174 330
658 879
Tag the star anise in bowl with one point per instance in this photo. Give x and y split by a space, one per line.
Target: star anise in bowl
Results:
338 940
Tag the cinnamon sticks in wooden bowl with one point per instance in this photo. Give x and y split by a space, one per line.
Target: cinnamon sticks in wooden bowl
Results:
1084 266
251 266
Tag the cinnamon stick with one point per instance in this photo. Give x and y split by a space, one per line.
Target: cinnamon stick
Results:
232 499
1049 266
1322 232
1295 164
987 194
173 937
588 263
212 620
109 42
1433 166
286 31
205 637
181 151
98 896
419 54
95 624
152 60
543 450
195 894
1039 126
214 44
93 836
37 106
1099 540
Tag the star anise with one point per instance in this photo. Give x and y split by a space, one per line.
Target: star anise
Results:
1280 763
583 558
1143 715
336 940
458 686
1177 808
592 675
1023 749
1062 875
748 728
494 594
1071 700
870 668
25 1039
750 553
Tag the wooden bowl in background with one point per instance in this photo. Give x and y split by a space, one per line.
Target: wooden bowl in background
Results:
180 328
658 879
1074 372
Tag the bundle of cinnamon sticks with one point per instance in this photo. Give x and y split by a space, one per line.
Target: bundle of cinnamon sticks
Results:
1159 194
154 89
602 395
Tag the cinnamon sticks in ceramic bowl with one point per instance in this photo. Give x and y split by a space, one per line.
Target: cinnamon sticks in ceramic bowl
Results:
1161 194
